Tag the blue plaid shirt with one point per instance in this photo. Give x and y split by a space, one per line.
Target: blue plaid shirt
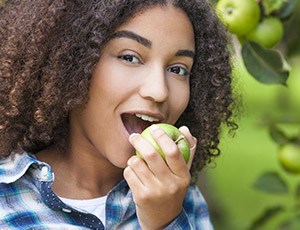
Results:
28 202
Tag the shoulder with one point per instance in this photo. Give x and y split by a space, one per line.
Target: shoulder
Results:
196 209
193 193
194 202
195 213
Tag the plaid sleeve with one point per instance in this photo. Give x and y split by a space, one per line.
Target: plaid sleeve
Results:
195 213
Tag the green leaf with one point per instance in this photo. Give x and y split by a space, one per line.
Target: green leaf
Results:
272 5
267 215
287 9
271 182
265 65
278 135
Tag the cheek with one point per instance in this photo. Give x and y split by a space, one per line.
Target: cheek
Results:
178 102
105 84
111 80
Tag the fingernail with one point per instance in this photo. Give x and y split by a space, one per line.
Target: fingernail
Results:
185 128
193 147
133 135
154 127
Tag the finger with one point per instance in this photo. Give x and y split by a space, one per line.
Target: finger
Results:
192 154
187 134
133 180
149 154
192 142
141 170
172 154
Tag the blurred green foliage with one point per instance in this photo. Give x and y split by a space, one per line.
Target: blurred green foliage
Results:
229 182
238 185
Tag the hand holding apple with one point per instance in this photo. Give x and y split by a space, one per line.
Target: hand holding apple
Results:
159 185
174 134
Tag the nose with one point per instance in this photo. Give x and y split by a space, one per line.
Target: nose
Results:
155 85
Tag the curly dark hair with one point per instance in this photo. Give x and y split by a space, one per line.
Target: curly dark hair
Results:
50 47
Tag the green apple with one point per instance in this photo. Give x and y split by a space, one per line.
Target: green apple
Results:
240 16
267 33
174 134
289 157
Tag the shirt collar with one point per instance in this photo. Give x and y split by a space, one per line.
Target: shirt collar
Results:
15 166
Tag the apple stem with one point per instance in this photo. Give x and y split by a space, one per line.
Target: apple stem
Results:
181 137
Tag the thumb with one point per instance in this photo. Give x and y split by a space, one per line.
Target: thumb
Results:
192 142
192 154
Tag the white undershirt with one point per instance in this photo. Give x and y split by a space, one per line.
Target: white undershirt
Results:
94 206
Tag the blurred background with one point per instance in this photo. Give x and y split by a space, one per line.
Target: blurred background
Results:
238 187
228 183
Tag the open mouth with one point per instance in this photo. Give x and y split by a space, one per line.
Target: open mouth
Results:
136 123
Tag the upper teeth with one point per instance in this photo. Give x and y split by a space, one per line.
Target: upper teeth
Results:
146 117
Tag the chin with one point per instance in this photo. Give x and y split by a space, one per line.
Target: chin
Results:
121 162
121 165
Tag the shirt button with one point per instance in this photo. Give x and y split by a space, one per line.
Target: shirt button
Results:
44 173
66 210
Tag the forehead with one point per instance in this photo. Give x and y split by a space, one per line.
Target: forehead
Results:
161 24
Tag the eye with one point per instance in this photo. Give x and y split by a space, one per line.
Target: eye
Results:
130 58
181 71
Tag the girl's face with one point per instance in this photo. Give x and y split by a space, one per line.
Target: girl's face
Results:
141 77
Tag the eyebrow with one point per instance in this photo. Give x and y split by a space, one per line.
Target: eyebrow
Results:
147 43
131 35
186 53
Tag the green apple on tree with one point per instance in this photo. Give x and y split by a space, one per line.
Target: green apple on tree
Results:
267 33
240 16
174 134
289 157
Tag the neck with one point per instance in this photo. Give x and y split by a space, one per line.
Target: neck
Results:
80 174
